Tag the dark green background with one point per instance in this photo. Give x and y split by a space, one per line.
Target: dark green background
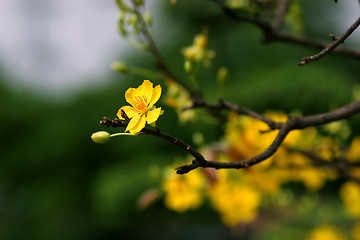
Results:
55 183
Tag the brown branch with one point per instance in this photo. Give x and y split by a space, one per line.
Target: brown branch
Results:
344 112
201 103
301 122
271 34
117 123
199 160
284 128
291 124
331 46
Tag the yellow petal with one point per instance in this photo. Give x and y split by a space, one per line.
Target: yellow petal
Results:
146 90
136 124
153 115
130 95
130 112
155 95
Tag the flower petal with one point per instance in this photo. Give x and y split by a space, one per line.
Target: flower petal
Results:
153 115
130 112
146 90
155 95
136 124
130 95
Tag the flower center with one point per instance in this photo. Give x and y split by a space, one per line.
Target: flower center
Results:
141 104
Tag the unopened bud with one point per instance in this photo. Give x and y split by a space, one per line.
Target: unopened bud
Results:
222 74
148 18
101 137
198 138
121 27
120 67
189 66
201 41
121 5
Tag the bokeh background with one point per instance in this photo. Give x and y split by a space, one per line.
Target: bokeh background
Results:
56 84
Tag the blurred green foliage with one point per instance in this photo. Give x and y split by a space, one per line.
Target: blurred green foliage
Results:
57 184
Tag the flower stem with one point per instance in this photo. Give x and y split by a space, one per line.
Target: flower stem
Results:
121 134
144 73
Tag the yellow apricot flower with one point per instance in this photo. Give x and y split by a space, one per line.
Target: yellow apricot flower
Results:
142 109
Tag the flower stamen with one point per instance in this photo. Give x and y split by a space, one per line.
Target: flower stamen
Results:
141 103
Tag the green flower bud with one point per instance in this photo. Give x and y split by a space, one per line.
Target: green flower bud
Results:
148 18
120 67
121 5
222 75
101 137
198 138
121 21
189 66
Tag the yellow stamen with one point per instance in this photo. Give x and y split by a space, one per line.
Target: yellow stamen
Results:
141 103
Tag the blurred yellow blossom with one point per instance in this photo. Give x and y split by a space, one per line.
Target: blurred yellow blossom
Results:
183 192
356 231
235 201
350 194
328 149
353 153
238 3
143 109
248 136
355 172
178 98
198 51
313 178
325 232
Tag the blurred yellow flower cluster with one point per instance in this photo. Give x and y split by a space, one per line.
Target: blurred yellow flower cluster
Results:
198 52
237 202
238 194
183 192
353 155
246 137
176 97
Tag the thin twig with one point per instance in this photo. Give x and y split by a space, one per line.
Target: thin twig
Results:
331 46
301 122
117 123
201 103
271 35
